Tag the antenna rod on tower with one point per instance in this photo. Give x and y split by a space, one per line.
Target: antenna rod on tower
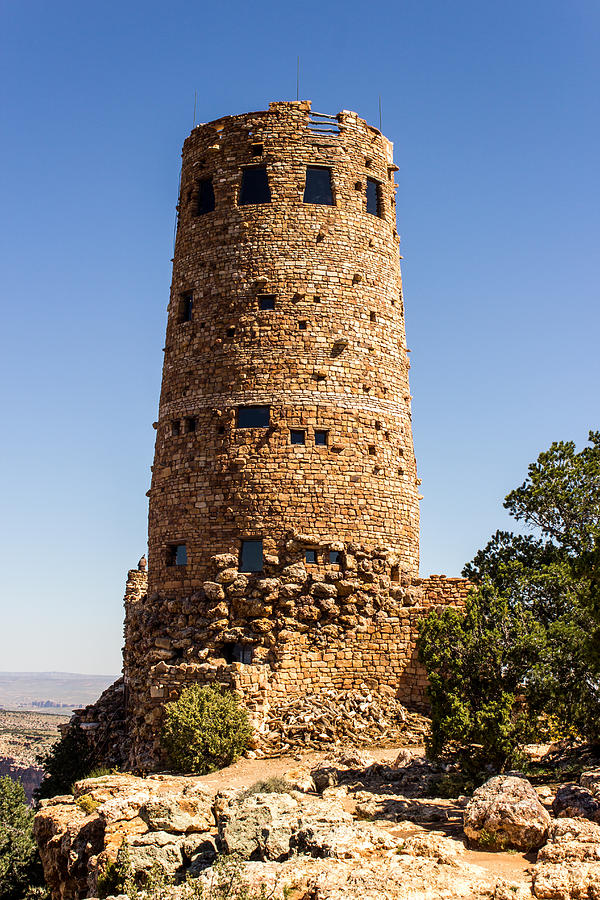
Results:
298 79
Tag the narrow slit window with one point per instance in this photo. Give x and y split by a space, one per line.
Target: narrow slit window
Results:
251 556
373 316
186 306
297 436
190 424
318 186
177 555
175 427
206 197
395 573
334 557
373 199
321 437
255 186
266 301
253 416
310 556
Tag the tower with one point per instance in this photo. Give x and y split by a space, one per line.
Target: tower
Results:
283 519
285 405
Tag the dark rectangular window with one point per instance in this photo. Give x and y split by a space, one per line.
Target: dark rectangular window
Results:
334 557
186 305
253 416
321 438
310 556
177 555
175 427
266 301
302 325
206 197
190 424
255 186
297 436
373 202
251 556
256 149
237 653
318 185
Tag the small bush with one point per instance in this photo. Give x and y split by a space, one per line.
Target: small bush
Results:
205 729
21 873
273 785
86 804
118 877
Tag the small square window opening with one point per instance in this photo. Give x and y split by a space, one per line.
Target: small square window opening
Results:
251 556
253 416
321 437
318 186
190 424
175 427
256 149
254 187
206 197
310 556
266 301
177 555
334 557
302 325
231 331
297 436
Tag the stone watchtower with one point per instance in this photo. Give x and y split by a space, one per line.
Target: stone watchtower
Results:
283 524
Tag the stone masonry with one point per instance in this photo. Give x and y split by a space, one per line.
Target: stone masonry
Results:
285 426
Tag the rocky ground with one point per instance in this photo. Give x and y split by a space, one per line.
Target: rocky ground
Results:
350 825
23 736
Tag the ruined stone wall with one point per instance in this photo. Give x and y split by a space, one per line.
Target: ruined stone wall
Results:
330 356
307 630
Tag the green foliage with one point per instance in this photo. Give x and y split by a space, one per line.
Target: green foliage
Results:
118 877
87 804
527 644
20 868
69 760
205 729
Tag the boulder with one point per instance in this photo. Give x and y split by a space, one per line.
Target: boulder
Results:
506 812
182 813
591 781
575 802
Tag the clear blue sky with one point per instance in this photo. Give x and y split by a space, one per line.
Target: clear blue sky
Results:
494 111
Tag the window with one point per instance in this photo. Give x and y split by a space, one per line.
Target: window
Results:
255 187
302 325
256 149
231 331
318 186
175 427
395 573
373 316
316 299
237 653
206 197
253 416
321 438
251 556
266 301
310 556
177 555
334 557
297 436
373 202
190 424
186 304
